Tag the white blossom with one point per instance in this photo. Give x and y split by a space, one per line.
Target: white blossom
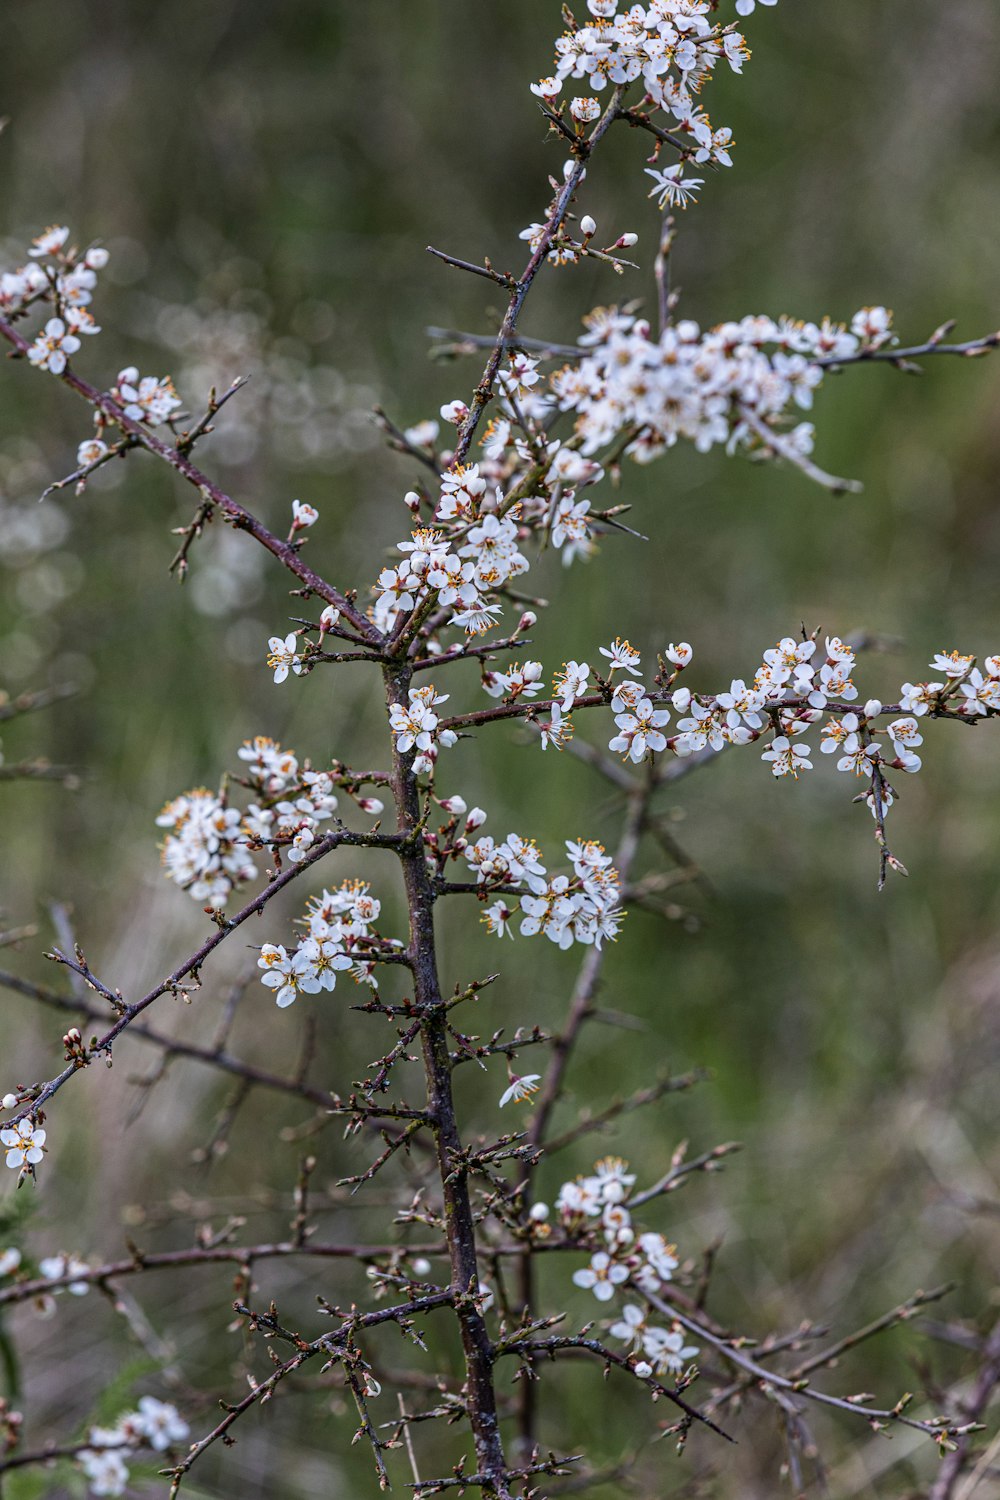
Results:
50 241
787 759
671 188
23 1143
51 347
601 1276
520 1088
159 1423
282 656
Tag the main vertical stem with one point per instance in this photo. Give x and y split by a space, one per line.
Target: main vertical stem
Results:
580 1008
459 1223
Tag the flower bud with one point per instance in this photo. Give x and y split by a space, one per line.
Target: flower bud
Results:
588 227
681 698
873 708
373 805
412 500
527 620
625 242
539 1212
421 1266
455 805
475 820
328 618
9 1101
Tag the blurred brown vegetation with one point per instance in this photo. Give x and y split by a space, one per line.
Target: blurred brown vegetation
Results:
266 179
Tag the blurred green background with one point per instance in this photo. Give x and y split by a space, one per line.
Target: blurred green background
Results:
267 179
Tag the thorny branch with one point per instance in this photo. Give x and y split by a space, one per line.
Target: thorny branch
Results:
478 1216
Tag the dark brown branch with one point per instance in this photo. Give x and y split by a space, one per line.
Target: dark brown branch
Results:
502 278
333 1345
452 1164
210 492
772 1381
468 343
972 349
191 967
557 216
240 1255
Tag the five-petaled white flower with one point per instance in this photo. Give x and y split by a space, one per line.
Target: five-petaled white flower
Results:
787 759
23 1143
622 656
639 732
952 663
601 1276
52 345
281 656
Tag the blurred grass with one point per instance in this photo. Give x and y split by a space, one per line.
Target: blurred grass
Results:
280 171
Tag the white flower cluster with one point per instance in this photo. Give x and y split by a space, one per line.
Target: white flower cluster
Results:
293 801
145 398
673 47
339 936
416 727
207 850
461 579
794 689
722 386
57 274
584 907
154 1424
526 483
643 1260
61 276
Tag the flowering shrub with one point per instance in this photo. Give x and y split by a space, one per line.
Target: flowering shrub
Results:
487 498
